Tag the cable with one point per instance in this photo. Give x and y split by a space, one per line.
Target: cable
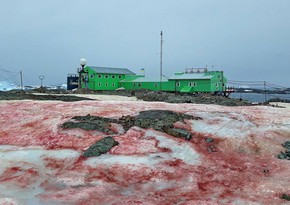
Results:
12 76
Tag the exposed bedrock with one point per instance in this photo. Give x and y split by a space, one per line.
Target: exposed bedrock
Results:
160 120
286 153
102 146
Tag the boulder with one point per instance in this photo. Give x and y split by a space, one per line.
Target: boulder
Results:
100 147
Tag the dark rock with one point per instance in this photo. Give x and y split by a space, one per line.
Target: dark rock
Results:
160 120
163 120
266 171
285 196
176 132
21 95
278 100
209 140
127 122
286 154
211 149
286 145
90 123
281 155
102 127
145 95
97 119
100 147
190 98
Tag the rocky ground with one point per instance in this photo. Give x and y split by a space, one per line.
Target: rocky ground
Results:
21 95
145 95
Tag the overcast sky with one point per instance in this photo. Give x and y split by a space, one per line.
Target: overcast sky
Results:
248 39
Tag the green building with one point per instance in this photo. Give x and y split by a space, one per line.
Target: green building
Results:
191 81
103 78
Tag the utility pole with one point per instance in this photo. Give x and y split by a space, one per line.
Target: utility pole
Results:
161 60
21 80
41 77
83 63
265 91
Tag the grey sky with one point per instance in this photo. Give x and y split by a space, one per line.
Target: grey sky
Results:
247 39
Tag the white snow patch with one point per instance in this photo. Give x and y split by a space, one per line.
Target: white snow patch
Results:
221 125
29 158
32 156
9 201
109 159
180 150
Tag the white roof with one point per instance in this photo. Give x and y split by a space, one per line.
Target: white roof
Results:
188 76
108 70
148 79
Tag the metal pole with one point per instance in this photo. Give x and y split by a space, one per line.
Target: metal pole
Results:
161 60
21 80
265 91
41 77
80 78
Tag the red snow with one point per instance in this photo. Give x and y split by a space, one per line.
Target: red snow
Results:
19 176
137 144
239 168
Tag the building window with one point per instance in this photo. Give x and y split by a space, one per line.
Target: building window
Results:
190 84
139 84
217 84
106 84
92 76
156 85
113 84
120 76
99 84
134 84
106 76
99 76
178 84
113 76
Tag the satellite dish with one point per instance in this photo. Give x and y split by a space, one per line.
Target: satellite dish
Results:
83 62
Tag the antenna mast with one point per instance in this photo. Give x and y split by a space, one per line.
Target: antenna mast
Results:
161 60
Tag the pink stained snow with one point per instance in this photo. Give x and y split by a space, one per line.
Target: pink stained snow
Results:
40 163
